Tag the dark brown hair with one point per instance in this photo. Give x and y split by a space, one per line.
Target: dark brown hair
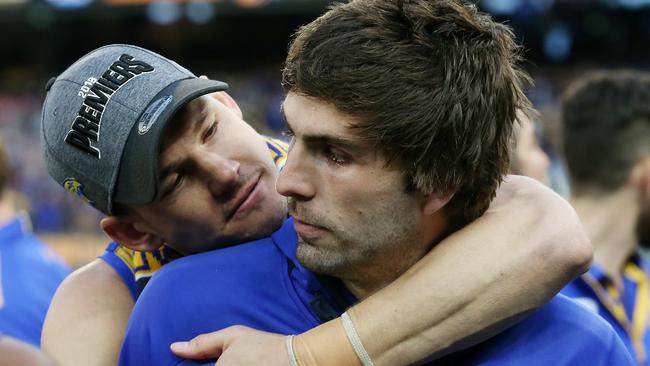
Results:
434 83
606 128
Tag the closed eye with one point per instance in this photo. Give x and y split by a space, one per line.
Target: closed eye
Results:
209 132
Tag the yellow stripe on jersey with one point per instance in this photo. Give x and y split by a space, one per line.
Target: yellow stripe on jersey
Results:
278 150
126 255
144 264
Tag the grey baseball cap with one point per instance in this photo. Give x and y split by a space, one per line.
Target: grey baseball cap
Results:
103 119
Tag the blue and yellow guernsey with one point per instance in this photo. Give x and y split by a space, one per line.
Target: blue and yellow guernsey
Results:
626 308
136 268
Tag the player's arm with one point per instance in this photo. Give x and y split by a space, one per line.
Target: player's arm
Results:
87 317
511 260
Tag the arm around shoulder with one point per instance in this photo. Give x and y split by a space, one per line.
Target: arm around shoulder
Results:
87 318
479 280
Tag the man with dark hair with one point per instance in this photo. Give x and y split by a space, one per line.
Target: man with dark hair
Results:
29 271
400 115
606 122
137 136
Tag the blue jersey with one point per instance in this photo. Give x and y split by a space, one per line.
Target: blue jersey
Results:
262 285
627 309
29 275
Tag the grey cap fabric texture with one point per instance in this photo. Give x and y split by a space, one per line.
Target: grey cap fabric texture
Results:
103 119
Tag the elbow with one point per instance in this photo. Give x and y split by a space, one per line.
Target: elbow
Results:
573 252
566 246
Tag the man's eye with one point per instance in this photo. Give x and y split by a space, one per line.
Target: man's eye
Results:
177 182
210 132
335 156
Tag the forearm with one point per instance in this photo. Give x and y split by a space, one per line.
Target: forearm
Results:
474 283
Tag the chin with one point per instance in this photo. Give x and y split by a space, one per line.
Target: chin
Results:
318 261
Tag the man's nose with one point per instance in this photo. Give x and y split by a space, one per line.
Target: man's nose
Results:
221 173
296 177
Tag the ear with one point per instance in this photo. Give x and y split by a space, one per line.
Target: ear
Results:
226 100
433 202
125 233
640 177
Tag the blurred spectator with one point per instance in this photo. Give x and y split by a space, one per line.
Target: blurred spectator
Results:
529 159
29 271
606 119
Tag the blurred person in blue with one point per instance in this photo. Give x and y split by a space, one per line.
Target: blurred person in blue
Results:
93 304
606 128
401 116
29 271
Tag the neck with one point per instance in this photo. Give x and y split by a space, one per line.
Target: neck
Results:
386 267
610 221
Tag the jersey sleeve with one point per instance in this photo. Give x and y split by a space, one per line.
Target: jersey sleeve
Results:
121 260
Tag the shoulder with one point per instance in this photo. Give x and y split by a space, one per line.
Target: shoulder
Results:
582 335
205 282
97 277
240 262
202 293
561 333
91 307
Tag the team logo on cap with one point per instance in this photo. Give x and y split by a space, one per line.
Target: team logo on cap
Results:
76 188
150 116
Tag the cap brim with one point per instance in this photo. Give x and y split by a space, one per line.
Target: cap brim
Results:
137 181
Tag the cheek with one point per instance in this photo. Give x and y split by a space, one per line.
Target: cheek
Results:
193 204
363 197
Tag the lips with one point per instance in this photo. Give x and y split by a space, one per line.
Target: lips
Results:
245 197
306 229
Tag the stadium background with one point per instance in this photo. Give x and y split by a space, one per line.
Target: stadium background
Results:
243 43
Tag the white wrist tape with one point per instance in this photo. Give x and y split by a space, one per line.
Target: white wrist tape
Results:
355 340
292 355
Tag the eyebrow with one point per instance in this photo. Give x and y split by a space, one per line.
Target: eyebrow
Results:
352 145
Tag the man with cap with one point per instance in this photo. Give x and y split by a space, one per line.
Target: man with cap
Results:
202 179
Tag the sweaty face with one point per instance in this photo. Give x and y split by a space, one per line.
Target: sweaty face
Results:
217 182
352 213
